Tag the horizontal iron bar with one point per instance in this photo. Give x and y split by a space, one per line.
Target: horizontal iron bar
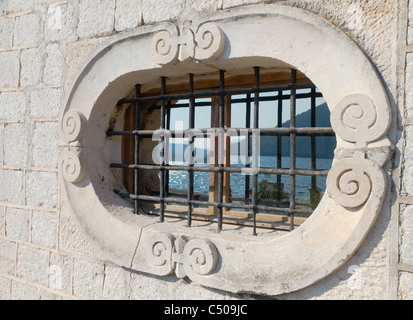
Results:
244 100
218 93
264 170
304 131
214 204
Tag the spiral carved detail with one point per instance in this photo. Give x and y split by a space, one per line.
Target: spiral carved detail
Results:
73 125
355 119
210 41
72 169
200 257
195 257
170 47
165 47
350 181
161 250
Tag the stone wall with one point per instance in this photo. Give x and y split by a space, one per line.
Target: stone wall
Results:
43 43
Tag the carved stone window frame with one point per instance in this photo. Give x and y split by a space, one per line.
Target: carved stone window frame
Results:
265 34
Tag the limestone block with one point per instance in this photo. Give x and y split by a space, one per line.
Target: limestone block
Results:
4 282
60 21
15 144
41 189
17 224
44 228
31 67
32 264
116 283
6 27
45 102
128 14
409 85
204 5
7 257
234 3
44 295
1 144
408 164
405 286
54 63
26 30
19 5
96 17
406 234
87 279
12 186
12 105
155 11
22 291
2 220
9 66
60 272
44 145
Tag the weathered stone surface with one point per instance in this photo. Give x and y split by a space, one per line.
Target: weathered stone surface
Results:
32 264
60 272
10 66
5 285
12 105
16 145
44 228
116 283
87 279
155 11
12 186
31 62
26 30
17 224
45 151
23 291
7 257
44 103
6 28
41 189
128 14
96 18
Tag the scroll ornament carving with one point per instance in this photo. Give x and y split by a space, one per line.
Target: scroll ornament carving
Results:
72 126
184 258
350 180
207 42
72 169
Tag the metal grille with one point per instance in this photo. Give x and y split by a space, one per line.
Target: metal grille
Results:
253 96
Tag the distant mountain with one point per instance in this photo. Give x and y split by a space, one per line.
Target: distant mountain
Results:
324 145
268 144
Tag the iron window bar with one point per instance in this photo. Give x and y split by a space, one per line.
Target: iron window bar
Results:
279 131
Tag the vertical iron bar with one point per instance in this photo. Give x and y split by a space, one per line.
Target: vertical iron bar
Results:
137 138
162 155
191 142
293 140
279 144
220 142
313 139
255 147
167 145
248 155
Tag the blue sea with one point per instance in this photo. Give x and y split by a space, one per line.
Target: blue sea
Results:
178 180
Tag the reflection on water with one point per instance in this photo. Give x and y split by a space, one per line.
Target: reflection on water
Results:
178 180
